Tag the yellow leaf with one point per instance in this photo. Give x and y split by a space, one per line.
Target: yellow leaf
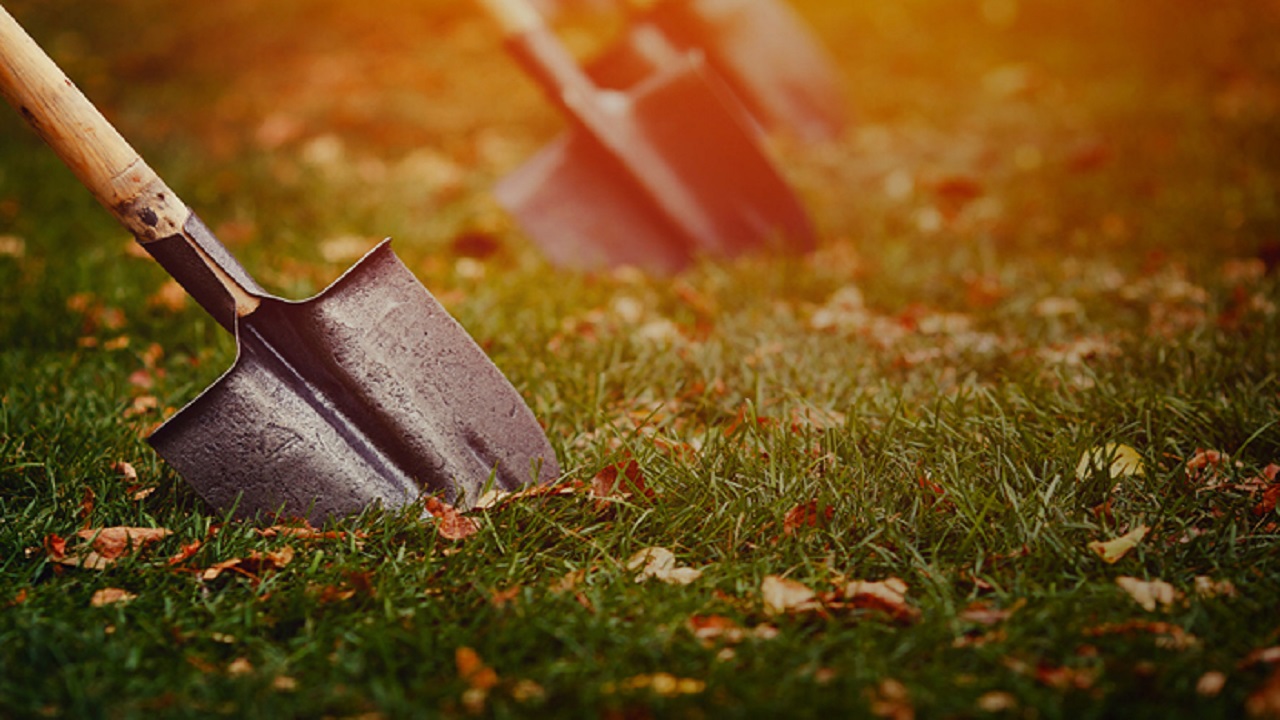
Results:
1150 594
110 596
1113 551
660 563
1121 461
784 596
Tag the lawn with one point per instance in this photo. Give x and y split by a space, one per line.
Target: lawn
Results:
1006 443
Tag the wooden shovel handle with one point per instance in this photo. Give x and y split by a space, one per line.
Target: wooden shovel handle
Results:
514 17
97 154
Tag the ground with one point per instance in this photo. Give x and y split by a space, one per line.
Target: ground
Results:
1005 443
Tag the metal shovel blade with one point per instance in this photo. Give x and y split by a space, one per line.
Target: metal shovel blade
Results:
655 176
762 49
369 393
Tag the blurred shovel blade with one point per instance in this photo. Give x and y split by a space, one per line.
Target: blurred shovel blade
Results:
762 49
369 393
656 176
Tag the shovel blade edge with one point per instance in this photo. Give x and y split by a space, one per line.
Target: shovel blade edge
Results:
369 393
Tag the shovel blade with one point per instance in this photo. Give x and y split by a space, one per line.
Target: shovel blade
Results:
761 48
655 176
369 393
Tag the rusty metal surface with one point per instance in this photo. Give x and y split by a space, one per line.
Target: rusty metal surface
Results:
368 393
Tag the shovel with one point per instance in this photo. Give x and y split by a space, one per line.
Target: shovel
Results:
653 176
761 48
368 393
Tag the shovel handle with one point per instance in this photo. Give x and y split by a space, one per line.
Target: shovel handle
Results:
514 17
537 49
88 144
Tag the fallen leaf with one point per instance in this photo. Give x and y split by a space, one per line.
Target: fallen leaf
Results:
451 525
1265 701
712 628
888 596
480 678
502 598
110 596
524 691
252 565
1150 594
472 670
1207 588
1211 684
284 683
890 699
1113 551
569 582
662 684
997 701
1263 656
783 596
126 471
105 546
1268 503
660 563
114 542
983 613
12 246
1120 461
621 480
496 499
171 297
188 551
806 515
1168 635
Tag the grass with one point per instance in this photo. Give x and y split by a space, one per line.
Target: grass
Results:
924 385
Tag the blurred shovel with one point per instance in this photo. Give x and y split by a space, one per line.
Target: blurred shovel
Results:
761 48
367 393
654 176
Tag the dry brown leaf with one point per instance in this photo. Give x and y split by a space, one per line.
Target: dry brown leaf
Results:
252 565
983 613
114 542
1167 635
1211 683
188 551
660 563
997 701
451 525
890 699
105 546
888 596
110 596
662 684
712 628
126 471
1113 551
782 596
1263 656
569 582
171 297
1265 701
480 678
1207 587
1150 594
806 515
620 480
